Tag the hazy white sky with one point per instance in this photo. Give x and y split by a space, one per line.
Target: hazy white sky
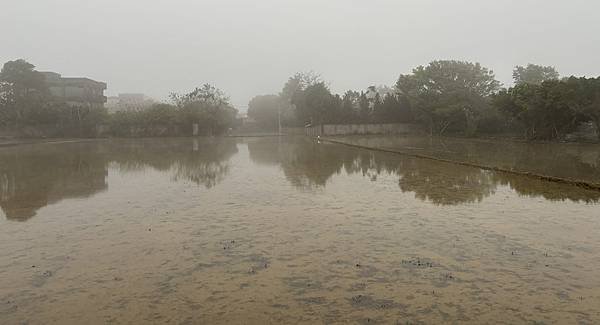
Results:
251 47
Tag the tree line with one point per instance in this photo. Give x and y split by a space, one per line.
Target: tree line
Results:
306 99
207 107
445 97
27 103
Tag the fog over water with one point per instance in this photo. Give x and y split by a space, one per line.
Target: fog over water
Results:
252 47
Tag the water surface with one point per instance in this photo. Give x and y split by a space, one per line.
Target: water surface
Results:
286 230
573 161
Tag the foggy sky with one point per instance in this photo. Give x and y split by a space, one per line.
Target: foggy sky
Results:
251 47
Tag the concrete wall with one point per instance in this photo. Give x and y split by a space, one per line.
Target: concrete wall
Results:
349 129
55 131
293 131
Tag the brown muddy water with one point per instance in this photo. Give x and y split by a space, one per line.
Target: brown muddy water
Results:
571 161
287 230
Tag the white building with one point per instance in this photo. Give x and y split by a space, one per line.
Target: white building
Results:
128 103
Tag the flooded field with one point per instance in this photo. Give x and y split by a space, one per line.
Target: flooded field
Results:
572 161
287 230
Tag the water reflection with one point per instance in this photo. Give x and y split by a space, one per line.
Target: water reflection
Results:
309 165
203 161
547 190
567 160
444 184
32 177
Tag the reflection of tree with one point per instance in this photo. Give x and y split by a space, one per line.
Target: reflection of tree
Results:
307 164
570 161
445 184
32 177
207 169
266 151
35 176
548 190
204 161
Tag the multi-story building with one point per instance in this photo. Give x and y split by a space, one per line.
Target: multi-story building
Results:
82 92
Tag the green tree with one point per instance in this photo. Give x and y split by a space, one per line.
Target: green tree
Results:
295 85
448 95
265 110
23 93
588 99
364 108
592 110
206 106
392 109
316 104
534 74
299 82
546 111
350 107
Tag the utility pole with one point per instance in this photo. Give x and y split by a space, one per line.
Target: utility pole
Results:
279 118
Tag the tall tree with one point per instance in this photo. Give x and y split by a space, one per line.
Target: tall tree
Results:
265 110
392 109
448 94
316 104
534 74
350 107
364 108
295 85
592 110
588 99
547 111
23 92
207 106
298 82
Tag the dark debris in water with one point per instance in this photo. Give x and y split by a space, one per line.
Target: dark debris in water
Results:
418 262
259 263
368 302
369 321
280 306
228 244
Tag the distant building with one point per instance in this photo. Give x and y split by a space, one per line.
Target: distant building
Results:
76 91
244 119
128 103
